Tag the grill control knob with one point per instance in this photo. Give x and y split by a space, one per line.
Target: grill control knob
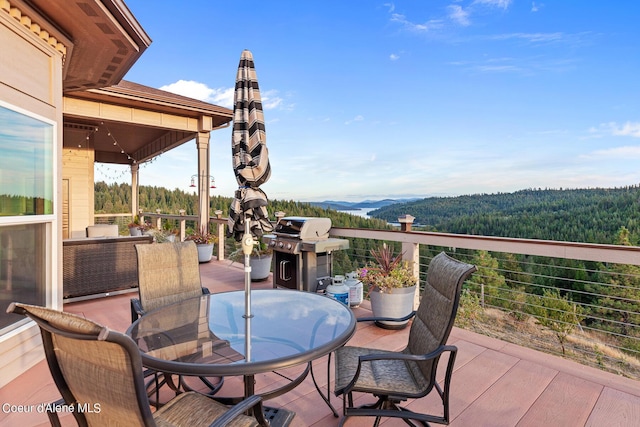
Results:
272 243
281 244
289 246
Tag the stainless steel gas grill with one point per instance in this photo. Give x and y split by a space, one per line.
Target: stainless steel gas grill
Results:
302 252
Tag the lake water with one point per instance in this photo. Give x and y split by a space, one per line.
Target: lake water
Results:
359 212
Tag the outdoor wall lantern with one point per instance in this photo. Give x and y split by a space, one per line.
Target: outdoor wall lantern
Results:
212 181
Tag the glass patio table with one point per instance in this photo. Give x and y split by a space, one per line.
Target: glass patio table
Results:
212 336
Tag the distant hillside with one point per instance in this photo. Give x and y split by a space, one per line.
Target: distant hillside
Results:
366 204
584 215
116 198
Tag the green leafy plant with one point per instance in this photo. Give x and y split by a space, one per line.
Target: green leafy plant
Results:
556 313
202 237
168 228
259 250
469 311
389 271
135 222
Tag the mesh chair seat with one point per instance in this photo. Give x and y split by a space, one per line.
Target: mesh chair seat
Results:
377 377
194 410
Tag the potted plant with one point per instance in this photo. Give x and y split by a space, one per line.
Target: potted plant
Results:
204 242
259 260
169 232
391 286
134 227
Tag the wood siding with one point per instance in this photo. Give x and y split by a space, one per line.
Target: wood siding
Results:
31 79
77 168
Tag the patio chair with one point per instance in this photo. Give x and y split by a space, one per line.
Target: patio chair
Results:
99 375
394 377
169 273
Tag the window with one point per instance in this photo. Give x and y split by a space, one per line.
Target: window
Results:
26 164
27 174
22 268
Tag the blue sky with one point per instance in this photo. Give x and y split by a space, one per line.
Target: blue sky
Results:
374 99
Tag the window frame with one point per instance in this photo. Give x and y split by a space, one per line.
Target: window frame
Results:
50 220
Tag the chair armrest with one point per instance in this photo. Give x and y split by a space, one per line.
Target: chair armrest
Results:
136 309
236 410
387 319
413 357
408 357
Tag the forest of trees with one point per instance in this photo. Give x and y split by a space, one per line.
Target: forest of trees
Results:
603 297
587 215
116 198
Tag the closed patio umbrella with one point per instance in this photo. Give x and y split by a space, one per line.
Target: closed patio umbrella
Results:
250 155
248 217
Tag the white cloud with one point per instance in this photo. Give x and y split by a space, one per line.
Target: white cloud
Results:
455 14
202 92
628 129
419 28
459 15
531 37
394 57
357 118
625 152
494 3
221 96
612 128
270 100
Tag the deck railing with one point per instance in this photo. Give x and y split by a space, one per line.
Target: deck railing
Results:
579 300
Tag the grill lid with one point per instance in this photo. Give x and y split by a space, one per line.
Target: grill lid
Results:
303 228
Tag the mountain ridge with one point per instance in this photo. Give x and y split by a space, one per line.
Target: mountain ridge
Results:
340 205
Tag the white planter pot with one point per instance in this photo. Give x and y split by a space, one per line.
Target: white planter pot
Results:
397 303
204 252
135 231
260 267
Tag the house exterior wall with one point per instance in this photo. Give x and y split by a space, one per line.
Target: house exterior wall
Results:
31 81
77 168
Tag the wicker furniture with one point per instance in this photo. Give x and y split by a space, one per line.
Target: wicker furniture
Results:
397 376
95 267
99 374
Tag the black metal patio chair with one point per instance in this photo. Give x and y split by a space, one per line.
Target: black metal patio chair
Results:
394 377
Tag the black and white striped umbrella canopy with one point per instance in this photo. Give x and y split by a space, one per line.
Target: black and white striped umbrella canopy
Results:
250 154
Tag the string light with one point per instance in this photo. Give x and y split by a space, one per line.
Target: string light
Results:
114 174
116 143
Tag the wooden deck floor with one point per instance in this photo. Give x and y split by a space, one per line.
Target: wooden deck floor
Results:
494 384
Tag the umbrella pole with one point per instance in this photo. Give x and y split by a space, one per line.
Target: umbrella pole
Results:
247 248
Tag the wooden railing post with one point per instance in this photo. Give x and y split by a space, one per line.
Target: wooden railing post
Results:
220 235
183 225
411 253
159 220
